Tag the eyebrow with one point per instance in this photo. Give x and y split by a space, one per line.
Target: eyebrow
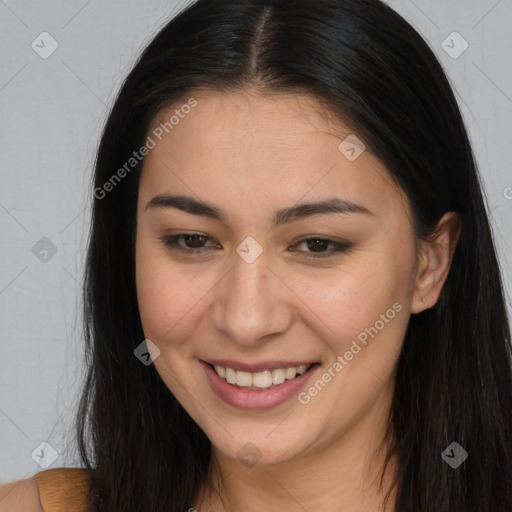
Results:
195 207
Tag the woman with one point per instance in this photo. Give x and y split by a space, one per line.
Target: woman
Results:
293 300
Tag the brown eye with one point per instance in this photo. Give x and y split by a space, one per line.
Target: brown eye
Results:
192 242
317 247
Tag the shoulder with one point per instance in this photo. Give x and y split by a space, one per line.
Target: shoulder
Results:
20 496
64 489
51 489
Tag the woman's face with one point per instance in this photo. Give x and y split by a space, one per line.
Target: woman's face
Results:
258 283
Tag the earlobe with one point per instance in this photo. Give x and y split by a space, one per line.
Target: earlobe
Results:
435 260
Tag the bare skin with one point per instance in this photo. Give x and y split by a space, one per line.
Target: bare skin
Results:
20 496
249 156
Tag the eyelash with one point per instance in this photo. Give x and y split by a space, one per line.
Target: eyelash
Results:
172 243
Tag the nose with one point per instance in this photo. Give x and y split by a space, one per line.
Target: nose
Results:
252 303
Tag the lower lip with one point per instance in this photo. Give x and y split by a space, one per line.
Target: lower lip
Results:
252 399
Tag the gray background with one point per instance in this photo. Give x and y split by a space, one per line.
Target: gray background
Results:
52 112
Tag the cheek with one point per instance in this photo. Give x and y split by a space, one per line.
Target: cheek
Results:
156 290
170 299
348 299
362 302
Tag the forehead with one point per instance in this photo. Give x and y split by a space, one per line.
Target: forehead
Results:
277 148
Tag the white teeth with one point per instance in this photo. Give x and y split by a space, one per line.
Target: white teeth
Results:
290 372
260 380
231 375
220 371
278 376
301 369
243 379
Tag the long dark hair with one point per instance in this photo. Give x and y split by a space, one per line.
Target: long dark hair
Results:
370 68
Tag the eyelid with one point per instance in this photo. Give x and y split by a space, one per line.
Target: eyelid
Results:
340 247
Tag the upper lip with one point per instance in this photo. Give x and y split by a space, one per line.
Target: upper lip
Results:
255 367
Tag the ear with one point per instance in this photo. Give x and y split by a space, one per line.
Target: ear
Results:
435 258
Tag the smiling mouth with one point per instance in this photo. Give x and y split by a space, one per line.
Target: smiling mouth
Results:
260 381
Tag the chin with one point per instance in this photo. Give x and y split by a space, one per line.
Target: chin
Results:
263 444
